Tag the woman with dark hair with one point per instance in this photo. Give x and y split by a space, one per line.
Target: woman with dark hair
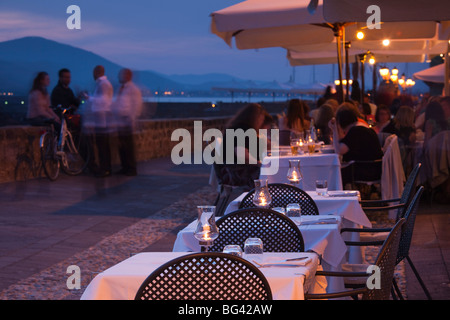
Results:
356 143
39 109
243 127
295 120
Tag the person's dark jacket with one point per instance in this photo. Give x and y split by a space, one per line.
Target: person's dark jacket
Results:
64 96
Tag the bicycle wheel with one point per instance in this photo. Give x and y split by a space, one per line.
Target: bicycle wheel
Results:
50 161
72 161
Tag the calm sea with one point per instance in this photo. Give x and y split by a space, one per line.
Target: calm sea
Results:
224 99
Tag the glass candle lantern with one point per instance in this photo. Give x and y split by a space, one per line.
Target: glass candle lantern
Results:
262 196
206 231
294 174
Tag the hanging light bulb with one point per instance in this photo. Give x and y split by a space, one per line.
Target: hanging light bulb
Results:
360 35
386 42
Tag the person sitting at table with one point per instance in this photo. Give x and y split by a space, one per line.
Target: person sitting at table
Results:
384 124
324 116
435 121
295 120
250 117
356 143
406 132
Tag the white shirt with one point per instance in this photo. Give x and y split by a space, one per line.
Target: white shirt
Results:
128 104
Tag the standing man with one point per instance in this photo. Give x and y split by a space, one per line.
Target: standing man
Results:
98 120
126 109
62 94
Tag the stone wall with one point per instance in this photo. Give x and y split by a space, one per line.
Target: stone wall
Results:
153 140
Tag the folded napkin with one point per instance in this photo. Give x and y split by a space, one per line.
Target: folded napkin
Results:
320 221
303 261
343 193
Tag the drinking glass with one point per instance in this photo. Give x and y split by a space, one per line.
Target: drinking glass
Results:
294 146
293 210
253 249
322 187
233 249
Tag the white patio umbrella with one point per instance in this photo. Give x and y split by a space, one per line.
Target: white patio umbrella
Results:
267 23
420 11
434 74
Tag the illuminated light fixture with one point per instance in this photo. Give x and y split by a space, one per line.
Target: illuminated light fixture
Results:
360 35
372 60
386 42
395 71
384 73
337 82
394 78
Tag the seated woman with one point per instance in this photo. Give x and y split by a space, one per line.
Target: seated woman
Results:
245 163
384 124
357 143
39 110
295 120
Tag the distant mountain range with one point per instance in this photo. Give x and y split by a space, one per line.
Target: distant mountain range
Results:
21 59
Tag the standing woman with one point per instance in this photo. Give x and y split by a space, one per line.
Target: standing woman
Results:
39 109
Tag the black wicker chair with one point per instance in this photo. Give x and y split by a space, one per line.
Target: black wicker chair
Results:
403 201
405 241
278 232
283 194
356 280
206 276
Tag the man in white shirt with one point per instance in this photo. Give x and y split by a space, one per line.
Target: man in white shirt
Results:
98 120
126 109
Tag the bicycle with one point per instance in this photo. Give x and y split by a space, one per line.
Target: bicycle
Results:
59 150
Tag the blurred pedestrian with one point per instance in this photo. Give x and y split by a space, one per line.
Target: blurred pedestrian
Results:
126 109
97 121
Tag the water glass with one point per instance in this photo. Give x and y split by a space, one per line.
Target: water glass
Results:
293 210
321 187
253 249
233 249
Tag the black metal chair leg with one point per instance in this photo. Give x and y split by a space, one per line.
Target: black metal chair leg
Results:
397 290
419 278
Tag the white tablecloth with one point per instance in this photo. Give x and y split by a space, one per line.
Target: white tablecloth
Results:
324 239
122 281
348 208
317 166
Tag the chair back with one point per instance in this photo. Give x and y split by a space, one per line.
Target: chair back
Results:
206 276
386 262
392 173
408 191
408 228
278 232
283 194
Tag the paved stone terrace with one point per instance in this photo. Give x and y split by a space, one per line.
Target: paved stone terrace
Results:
95 223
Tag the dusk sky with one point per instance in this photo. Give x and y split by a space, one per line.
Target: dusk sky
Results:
167 36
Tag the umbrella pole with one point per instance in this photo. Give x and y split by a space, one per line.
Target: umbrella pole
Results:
447 71
338 34
347 70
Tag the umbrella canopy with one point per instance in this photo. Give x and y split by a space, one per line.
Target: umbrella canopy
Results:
434 74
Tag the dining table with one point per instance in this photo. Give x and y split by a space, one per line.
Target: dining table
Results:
323 164
287 282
